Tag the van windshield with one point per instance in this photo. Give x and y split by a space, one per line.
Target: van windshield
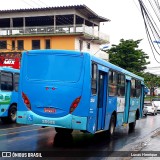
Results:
54 67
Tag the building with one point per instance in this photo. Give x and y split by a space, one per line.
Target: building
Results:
67 27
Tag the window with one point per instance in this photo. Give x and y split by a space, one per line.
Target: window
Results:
35 44
47 43
88 45
20 45
94 78
53 67
6 81
3 44
121 84
13 45
138 88
16 81
135 88
113 78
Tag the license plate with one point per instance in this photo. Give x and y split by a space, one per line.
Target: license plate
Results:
49 110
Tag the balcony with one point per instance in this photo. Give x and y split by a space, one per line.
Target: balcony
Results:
86 31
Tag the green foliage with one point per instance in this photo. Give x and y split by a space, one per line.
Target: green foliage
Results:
151 80
128 56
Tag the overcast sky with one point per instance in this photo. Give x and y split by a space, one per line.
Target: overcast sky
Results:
126 20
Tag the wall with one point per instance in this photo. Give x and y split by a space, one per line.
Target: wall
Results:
94 49
57 42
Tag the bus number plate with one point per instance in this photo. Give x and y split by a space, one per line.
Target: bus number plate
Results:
46 121
49 110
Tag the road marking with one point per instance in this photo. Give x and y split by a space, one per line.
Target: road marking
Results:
20 132
15 127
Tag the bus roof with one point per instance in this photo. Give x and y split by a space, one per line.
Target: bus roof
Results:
8 69
114 67
55 51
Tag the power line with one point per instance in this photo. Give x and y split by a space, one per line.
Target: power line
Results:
27 3
36 3
136 6
151 27
43 3
63 21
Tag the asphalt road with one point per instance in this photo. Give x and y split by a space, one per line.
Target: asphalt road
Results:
15 137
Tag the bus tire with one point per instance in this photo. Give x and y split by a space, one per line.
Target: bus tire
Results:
112 125
63 130
12 113
132 125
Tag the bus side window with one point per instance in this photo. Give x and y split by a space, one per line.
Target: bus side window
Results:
6 81
138 88
133 88
113 83
94 78
16 81
121 84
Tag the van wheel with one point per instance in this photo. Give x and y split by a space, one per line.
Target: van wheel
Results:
12 114
112 125
63 130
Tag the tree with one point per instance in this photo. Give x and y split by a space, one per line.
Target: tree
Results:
151 81
127 56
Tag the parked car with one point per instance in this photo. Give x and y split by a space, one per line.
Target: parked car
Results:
156 102
145 111
151 108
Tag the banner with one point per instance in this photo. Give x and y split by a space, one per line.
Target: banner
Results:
10 59
78 153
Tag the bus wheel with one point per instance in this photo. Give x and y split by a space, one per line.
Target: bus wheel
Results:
132 125
112 125
12 114
63 130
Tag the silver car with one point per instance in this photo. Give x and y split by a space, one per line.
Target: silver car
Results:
145 112
151 108
156 102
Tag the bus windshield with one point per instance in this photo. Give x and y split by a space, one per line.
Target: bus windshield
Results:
55 67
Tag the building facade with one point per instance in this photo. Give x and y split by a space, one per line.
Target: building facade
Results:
68 27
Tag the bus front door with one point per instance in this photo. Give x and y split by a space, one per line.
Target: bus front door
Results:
101 110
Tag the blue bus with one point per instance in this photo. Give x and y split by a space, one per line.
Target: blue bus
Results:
9 79
72 90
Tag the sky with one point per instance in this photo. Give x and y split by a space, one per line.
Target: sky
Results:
126 19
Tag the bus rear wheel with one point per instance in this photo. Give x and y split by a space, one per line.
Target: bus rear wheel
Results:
63 130
112 125
12 114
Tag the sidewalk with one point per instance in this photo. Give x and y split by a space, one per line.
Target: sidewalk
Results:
152 147
147 149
